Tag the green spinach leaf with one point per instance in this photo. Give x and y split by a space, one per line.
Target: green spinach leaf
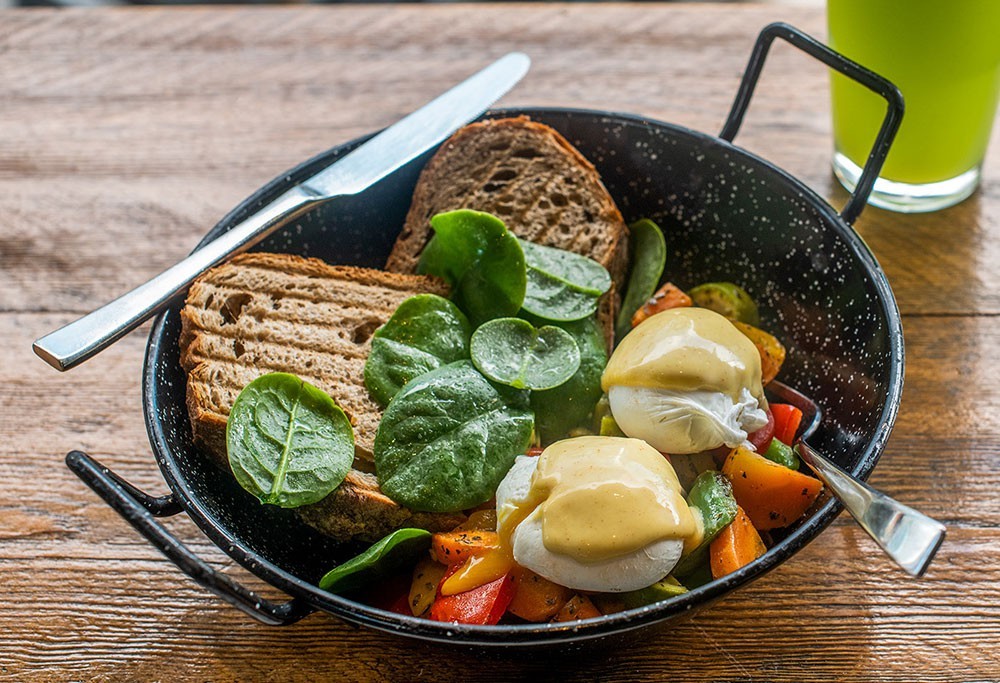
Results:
571 404
562 286
424 333
448 438
512 351
288 443
399 549
481 260
649 255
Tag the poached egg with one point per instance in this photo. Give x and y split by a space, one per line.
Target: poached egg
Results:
596 513
686 380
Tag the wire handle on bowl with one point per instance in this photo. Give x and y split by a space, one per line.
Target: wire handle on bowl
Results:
140 510
838 62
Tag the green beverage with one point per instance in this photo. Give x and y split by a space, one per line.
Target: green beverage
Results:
945 57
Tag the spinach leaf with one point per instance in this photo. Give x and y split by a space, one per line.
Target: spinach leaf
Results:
448 438
289 444
570 405
481 260
399 549
424 333
512 352
649 255
562 286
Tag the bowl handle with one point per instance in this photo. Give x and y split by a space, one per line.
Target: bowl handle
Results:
851 69
139 509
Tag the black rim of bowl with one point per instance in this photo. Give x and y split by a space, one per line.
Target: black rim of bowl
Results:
527 634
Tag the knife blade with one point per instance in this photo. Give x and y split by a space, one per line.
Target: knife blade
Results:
384 153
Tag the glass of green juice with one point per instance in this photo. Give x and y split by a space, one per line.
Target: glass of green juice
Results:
944 55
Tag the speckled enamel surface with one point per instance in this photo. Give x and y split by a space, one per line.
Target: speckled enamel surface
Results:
726 216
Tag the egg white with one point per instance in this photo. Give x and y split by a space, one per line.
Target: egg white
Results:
633 571
681 422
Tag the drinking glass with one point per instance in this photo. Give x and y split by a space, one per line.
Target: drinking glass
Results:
944 55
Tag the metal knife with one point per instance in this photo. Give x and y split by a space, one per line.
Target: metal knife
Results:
381 155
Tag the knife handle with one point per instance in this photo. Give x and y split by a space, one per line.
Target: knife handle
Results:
79 340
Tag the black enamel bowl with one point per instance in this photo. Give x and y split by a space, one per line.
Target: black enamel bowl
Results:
726 214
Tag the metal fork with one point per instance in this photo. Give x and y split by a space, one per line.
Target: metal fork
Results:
909 537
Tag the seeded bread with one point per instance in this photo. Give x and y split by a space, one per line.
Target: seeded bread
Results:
263 313
529 176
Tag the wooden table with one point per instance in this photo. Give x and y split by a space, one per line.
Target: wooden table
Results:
126 133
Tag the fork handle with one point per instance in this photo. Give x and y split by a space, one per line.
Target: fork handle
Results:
81 339
909 537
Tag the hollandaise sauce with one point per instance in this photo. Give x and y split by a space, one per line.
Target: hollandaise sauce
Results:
601 498
686 349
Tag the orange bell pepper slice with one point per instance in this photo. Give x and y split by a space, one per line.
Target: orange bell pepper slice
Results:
455 547
536 598
736 546
578 607
773 496
666 297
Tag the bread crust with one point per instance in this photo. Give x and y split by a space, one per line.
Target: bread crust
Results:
533 179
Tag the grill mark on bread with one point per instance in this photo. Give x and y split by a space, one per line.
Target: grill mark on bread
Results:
263 313
283 331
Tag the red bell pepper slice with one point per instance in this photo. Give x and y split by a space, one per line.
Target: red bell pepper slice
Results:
483 605
761 439
787 419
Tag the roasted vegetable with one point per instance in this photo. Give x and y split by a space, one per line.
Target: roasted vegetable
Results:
423 587
689 467
478 570
761 439
781 454
535 597
772 353
455 547
737 545
787 419
728 299
712 495
668 296
661 590
609 427
483 605
578 607
772 495
481 520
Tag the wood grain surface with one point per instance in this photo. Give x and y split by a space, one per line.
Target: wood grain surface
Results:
126 133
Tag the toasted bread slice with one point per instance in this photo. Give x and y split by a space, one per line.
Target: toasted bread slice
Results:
264 313
529 176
